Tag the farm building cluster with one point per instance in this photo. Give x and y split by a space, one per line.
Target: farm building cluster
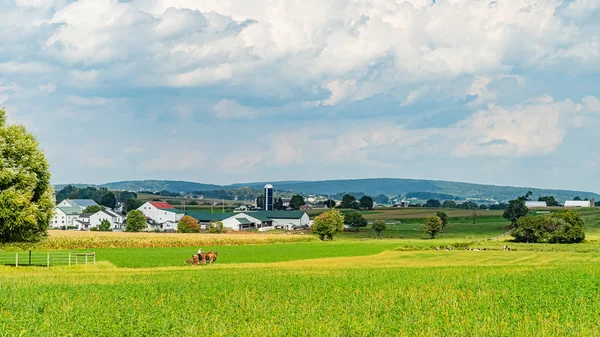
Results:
568 203
162 216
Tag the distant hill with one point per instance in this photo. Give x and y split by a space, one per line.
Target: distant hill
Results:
387 186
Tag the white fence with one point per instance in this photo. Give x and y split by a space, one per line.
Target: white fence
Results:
46 259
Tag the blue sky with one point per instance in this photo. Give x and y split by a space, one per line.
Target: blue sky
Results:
222 91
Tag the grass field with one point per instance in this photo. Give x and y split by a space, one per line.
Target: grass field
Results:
389 294
352 286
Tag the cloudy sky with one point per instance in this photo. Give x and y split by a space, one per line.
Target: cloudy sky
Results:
220 91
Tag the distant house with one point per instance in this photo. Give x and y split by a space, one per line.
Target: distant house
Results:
64 216
162 213
83 221
579 203
116 220
81 203
536 204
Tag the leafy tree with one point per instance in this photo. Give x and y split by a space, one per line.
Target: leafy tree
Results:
483 207
433 203
187 224
433 225
354 205
25 191
104 226
382 199
449 204
278 204
131 204
444 217
563 227
366 202
109 200
260 202
297 201
354 220
379 226
516 209
123 196
327 224
577 198
468 205
216 227
136 221
347 201
330 203
193 203
550 201
501 206
93 209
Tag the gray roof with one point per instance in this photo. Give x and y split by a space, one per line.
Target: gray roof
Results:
82 202
85 215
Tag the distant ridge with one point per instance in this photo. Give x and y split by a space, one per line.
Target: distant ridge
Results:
374 186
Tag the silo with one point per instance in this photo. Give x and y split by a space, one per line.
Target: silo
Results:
268 197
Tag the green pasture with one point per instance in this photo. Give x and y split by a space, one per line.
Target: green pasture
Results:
389 294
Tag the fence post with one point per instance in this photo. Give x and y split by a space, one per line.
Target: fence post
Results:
94 258
69 259
17 260
48 261
86 258
30 257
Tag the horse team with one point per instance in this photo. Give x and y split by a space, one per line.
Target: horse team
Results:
203 258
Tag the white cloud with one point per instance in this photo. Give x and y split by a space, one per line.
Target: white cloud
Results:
29 67
134 150
49 88
231 110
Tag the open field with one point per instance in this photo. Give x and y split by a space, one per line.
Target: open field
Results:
389 294
352 286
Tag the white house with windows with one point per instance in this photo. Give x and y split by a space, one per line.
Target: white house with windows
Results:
81 203
116 220
64 217
162 213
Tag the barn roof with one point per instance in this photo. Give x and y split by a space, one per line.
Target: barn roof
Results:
160 204
70 210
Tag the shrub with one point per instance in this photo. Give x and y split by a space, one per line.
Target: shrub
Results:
216 227
187 224
104 226
379 226
354 219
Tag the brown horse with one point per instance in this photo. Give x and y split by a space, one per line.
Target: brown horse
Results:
212 257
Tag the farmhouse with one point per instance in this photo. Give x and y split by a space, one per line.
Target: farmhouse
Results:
162 213
536 204
65 216
579 203
115 219
81 203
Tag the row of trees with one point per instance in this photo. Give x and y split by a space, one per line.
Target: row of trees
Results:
102 196
329 223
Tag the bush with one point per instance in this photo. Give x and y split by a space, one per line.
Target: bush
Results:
354 219
216 227
193 203
94 229
379 226
104 226
187 224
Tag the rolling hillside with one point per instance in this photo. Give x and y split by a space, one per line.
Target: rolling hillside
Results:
387 186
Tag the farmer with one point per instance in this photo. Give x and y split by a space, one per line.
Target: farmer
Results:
199 253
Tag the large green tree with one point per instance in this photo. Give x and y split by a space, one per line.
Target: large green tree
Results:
433 225
366 202
563 227
516 209
25 191
136 221
449 204
187 224
328 224
109 200
131 204
550 201
379 226
93 209
444 217
297 201
348 201
354 219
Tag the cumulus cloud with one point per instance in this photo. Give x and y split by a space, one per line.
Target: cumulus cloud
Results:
229 110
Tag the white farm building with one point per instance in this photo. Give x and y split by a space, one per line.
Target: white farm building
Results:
536 204
254 220
579 203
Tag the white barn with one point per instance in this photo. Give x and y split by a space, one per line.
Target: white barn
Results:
161 212
579 203
536 204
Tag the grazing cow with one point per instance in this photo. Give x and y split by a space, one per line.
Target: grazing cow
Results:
506 248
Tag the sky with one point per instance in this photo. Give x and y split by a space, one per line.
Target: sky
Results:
501 92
